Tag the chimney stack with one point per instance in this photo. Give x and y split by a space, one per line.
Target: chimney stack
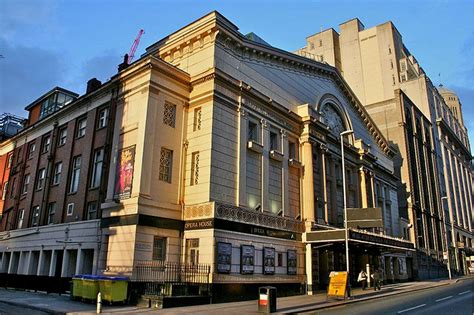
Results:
92 85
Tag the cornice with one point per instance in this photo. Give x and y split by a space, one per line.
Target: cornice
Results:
217 30
243 48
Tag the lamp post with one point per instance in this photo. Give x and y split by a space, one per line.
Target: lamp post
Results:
344 133
446 236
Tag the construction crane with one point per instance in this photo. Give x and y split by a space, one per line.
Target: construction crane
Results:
131 54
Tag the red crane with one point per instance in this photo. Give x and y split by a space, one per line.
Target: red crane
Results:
131 54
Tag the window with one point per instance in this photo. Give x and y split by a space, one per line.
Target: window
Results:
5 189
169 115
103 117
292 150
62 136
192 251
274 141
57 173
40 180
195 168
12 190
81 127
70 209
18 157
92 210
31 150
166 164
320 42
26 183
197 119
51 212
159 248
35 216
97 170
21 215
253 131
46 144
76 170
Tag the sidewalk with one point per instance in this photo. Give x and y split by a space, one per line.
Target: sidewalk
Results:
55 304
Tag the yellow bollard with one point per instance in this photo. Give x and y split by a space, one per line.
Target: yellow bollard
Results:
99 303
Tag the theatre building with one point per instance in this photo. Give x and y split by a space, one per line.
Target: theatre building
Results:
221 153
240 168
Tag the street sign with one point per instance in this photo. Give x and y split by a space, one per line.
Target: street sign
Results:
337 284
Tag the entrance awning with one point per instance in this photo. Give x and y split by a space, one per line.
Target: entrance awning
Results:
358 236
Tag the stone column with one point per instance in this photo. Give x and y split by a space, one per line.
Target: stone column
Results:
11 263
308 189
372 188
65 264
54 258
21 262
309 268
323 150
333 211
265 165
79 262
29 270
242 172
363 188
95 259
40 263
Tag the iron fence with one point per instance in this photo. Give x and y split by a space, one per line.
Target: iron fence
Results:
164 278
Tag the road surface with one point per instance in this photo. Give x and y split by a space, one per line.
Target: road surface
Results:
451 299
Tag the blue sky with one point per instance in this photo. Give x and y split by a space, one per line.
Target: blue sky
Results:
51 43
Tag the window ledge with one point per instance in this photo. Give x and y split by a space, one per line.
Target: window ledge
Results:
294 163
254 146
276 155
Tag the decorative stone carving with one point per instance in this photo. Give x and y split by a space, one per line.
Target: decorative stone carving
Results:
243 215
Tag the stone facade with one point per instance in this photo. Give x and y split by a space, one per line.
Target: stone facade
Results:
428 134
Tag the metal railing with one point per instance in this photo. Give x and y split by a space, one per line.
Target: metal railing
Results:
170 272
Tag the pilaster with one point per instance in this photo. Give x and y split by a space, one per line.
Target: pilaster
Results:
265 165
308 189
242 193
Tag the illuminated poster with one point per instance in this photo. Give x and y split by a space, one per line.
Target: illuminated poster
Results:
224 257
268 260
247 259
291 261
124 173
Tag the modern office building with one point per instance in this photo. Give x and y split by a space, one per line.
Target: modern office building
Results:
426 129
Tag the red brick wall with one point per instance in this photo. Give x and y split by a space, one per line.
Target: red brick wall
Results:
85 146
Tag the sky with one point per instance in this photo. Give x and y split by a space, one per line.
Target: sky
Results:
48 43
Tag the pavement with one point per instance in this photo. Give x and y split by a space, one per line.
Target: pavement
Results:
62 304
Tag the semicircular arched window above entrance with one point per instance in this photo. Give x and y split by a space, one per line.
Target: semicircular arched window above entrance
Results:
333 120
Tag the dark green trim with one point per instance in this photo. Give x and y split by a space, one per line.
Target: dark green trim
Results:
143 220
242 228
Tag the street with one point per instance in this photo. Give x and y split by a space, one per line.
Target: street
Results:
8 309
452 299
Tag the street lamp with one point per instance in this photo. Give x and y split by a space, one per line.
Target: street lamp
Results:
344 133
446 236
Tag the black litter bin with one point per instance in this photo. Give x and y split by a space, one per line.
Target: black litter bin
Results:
267 300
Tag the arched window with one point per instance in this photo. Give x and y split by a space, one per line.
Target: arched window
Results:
333 119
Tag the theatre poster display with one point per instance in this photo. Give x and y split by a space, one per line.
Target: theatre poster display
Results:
291 261
224 257
124 173
247 259
268 260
